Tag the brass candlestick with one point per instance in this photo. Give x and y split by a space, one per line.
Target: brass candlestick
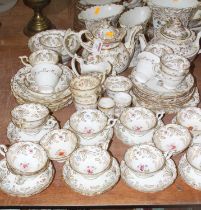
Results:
38 22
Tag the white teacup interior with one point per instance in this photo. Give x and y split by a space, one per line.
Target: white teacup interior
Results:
122 99
138 119
88 121
144 158
90 160
190 117
106 102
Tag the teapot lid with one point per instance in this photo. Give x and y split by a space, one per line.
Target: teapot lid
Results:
175 30
108 33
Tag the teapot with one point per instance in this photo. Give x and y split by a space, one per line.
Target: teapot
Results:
173 34
105 42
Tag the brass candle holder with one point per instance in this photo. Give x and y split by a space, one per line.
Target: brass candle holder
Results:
38 22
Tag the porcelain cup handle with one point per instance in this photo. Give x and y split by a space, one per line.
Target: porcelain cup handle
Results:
168 154
73 67
160 115
25 60
172 169
111 122
85 45
103 78
3 149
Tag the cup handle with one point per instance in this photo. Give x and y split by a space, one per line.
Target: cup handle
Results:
103 78
168 154
172 169
73 66
160 115
111 122
25 60
3 149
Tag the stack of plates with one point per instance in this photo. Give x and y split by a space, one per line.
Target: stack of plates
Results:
154 96
26 90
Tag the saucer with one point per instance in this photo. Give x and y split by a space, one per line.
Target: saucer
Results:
155 182
103 139
126 137
189 174
24 186
16 134
95 186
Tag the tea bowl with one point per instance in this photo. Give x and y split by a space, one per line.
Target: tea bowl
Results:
40 56
172 138
59 144
90 160
25 158
41 72
29 116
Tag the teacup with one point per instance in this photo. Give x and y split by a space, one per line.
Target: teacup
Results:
190 117
132 3
29 116
146 65
25 158
92 99
90 122
174 64
193 156
83 106
106 105
39 57
116 84
59 144
138 120
144 159
172 137
90 161
46 76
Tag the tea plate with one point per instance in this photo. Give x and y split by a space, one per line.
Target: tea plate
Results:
189 174
90 187
155 182
24 186
126 137
16 134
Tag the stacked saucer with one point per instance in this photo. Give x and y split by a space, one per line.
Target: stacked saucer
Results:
25 89
153 95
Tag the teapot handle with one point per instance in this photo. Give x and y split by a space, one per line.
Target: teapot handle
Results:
25 60
85 45
3 149
73 65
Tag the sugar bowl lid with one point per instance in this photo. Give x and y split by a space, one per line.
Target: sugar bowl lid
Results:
175 30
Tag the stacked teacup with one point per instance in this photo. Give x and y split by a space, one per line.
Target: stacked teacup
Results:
30 122
85 90
26 169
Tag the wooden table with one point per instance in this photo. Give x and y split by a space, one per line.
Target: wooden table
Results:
13 43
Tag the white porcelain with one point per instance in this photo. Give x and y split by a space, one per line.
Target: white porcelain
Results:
155 182
25 158
80 106
47 38
190 117
139 120
89 186
196 139
16 134
189 174
85 101
97 2
59 144
29 116
193 156
132 3
163 10
93 15
40 56
24 186
116 84
129 138
172 137
106 105
41 72
90 122
146 65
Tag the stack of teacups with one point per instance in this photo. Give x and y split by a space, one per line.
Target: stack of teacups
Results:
174 69
107 106
86 90
190 166
30 122
91 170
45 70
190 117
27 169
146 169
92 127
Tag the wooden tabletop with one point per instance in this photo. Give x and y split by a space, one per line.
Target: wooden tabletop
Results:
13 43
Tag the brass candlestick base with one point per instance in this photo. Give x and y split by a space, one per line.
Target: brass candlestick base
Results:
38 22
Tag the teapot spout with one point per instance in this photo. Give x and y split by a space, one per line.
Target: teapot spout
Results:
130 44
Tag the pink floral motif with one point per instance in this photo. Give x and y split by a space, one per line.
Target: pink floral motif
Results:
137 128
89 170
142 167
24 165
172 147
88 130
30 150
